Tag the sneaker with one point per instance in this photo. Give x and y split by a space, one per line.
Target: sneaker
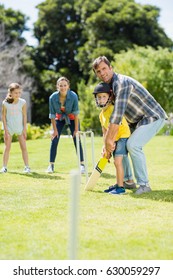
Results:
82 169
111 188
27 170
143 189
3 170
118 190
129 186
50 169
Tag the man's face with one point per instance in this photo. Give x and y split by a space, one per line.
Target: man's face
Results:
104 72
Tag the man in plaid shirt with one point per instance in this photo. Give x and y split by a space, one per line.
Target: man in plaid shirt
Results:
143 113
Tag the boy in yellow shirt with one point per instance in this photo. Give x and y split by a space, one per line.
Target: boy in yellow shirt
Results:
103 96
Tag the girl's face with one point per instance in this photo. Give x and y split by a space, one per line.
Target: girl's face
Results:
102 98
63 87
16 93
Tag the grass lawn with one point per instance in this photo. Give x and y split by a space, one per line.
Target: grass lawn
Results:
34 209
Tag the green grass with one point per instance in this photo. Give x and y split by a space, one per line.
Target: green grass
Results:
34 209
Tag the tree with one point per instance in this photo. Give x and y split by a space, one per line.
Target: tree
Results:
14 54
14 23
72 33
117 26
153 68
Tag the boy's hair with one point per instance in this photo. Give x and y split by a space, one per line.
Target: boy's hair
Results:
12 87
98 60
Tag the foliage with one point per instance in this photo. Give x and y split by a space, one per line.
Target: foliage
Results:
71 34
14 23
153 68
168 128
117 26
89 113
35 209
33 132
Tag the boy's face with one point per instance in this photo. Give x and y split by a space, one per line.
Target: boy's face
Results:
102 98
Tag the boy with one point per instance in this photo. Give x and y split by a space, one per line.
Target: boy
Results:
103 96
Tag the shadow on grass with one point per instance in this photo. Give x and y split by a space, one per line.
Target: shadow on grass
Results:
36 175
108 176
162 195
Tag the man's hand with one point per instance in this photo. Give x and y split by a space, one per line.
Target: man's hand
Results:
109 147
110 139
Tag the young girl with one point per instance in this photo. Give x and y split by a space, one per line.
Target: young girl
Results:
14 118
103 98
63 110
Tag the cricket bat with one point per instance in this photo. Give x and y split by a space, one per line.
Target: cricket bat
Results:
96 174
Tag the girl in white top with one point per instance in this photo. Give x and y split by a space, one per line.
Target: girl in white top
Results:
14 118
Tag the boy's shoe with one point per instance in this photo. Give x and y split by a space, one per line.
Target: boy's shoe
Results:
3 170
129 186
50 169
111 188
143 189
82 169
27 170
118 190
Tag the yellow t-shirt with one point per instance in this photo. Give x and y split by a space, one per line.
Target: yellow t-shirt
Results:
124 130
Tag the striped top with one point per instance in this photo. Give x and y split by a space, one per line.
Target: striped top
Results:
134 102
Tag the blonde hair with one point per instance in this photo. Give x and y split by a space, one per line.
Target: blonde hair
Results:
12 87
63 79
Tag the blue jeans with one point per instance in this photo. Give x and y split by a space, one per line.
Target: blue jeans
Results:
55 141
135 143
121 149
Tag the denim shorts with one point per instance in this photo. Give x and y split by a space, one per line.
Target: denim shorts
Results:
120 149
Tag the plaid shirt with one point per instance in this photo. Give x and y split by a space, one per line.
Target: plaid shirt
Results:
134 102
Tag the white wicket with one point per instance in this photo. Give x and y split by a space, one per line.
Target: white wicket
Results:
74 213
84 145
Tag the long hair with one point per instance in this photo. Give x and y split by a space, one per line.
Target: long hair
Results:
11 87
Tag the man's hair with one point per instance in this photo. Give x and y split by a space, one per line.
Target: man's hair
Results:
98 60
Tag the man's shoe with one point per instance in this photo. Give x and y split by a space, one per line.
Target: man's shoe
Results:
3 170
129 186
50 169
143 189
118 190
111 188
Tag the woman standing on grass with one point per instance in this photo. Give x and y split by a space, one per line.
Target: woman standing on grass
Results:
14 118
63 109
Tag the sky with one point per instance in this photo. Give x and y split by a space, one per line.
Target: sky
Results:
28 7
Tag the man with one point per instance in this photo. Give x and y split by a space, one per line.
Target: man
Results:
143 113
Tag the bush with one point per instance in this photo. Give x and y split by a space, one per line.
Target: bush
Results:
33 132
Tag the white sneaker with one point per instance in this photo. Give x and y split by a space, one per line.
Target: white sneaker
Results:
82 169
50 169
27 170
3 170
